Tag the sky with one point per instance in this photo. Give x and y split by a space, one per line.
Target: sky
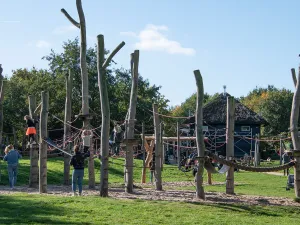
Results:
240 44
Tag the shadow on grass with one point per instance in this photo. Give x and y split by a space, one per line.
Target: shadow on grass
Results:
17 209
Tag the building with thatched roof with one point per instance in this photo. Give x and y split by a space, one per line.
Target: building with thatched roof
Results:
247 125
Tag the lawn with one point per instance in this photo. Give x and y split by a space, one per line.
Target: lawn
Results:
246 182
36 209
45 209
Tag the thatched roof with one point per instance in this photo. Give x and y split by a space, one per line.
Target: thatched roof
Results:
215 112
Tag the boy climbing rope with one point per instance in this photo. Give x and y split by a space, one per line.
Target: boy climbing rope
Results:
31 131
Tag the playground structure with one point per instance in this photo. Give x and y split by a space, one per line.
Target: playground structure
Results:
38 152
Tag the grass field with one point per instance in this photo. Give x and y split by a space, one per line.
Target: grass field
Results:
35 209
41 209
246 182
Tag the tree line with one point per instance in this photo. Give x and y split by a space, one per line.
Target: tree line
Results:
271 103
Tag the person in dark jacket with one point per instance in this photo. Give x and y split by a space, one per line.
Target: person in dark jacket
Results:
77 161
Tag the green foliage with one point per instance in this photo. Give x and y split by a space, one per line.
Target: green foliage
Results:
26 82
272 104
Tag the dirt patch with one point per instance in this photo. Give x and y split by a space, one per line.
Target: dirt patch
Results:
146 193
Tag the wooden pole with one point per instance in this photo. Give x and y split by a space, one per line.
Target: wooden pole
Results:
1 110
230 143
43 144
157 173
143 143
199 135
295 135
34 156
134 62
162 146
67 128
280 152
105 112
178 146
294 76
84 79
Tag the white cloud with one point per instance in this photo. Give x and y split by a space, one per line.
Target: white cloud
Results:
65 29
152 38
42 44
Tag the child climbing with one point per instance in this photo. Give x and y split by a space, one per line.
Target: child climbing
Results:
31 131
118 138
152 167
86 139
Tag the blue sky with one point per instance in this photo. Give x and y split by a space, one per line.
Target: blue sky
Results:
240 44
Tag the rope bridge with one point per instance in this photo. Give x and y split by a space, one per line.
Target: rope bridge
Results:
251 168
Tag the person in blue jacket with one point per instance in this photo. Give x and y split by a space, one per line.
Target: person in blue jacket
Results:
12 157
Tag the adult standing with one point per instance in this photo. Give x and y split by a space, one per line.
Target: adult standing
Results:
77 161
12 157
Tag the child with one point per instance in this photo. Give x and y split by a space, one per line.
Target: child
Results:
118 138
86 139
31 131
77 161
152 168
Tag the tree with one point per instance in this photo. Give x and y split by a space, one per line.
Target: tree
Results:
274 105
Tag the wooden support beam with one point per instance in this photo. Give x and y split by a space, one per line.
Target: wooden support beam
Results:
157 173
199 135
34 149
43 144
230 143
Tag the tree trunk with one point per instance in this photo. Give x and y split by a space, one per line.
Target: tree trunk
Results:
67 128
43 144
230 143
1 112
199 135
34 155
178 146
85 81
157 172
105 112
295 135
131 121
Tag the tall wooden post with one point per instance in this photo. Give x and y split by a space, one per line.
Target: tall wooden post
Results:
67 128
143 143
43 144
162 161
295 135
157 173
34 148
134 62
280 152
199 135
1 109
105 111
230 143
178 146
84 79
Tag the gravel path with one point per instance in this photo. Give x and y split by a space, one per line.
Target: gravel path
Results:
147 193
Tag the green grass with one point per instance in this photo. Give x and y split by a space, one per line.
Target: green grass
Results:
39 209
46 209
246 182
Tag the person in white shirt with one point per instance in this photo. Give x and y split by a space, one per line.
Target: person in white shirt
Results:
86 139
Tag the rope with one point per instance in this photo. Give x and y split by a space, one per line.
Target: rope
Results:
48 141
251 168
64 122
